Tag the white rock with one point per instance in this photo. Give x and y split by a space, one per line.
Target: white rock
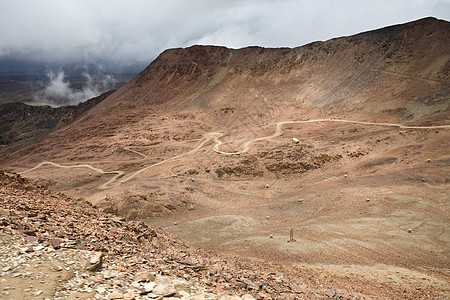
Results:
149 286
184 294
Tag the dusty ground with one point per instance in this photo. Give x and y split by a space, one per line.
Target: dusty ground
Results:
350 213
191 145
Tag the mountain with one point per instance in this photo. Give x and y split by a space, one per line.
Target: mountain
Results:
201 144
23 124
401 71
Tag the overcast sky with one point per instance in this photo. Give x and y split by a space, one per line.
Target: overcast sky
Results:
130 31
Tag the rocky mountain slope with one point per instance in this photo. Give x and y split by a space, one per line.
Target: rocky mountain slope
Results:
58 247
22 124
200 143
402 72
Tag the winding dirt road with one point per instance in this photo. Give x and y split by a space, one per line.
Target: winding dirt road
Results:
118 174
214 136
279 131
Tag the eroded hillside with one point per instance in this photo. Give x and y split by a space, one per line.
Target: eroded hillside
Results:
401 72
201 143
22 124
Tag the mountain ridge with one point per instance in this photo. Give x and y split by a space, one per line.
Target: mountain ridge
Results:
201 63
395 71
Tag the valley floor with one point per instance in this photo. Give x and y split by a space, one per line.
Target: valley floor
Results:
374 211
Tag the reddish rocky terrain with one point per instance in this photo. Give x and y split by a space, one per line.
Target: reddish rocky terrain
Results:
57 247
200 144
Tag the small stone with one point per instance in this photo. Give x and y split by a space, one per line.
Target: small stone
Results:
31 239
251 284
57 268
330 293
248 297
97 279
164 287
129 296
55 243
101 289
148 287
95 261
37 293
145 276
115 295
28 232
6 288
184 294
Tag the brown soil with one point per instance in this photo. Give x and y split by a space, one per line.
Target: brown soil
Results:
368 203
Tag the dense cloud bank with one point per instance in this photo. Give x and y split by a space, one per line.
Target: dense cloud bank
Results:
129 34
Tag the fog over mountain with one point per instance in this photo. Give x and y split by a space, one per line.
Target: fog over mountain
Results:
123 37
321 171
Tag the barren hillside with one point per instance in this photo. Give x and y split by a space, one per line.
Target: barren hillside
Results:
200 143
23 124
402 72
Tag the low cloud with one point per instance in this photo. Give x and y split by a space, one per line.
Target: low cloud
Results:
59 91
124 33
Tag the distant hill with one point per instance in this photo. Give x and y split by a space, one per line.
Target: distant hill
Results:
22 124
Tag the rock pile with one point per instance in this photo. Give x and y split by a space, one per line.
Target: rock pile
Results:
58 247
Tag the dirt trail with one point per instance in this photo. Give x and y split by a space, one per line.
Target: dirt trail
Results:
215 137
279 131
110 183
119 173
